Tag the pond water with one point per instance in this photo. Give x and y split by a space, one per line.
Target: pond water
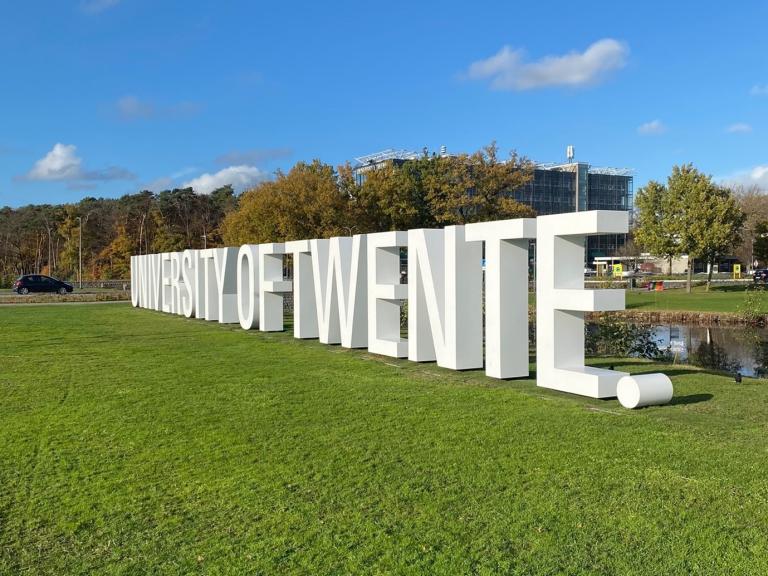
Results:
730 348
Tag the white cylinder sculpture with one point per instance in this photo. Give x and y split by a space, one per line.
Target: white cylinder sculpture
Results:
644 390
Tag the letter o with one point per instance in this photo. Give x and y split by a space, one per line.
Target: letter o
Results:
248 286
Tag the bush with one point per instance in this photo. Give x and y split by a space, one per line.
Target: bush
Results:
750 309
611 337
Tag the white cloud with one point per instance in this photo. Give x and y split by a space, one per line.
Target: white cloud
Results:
759 90
96 6
756 176
652 127
239 177
739 128
759 175
64 165
508 70
61 163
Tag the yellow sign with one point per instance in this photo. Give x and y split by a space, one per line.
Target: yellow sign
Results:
736 271
618 269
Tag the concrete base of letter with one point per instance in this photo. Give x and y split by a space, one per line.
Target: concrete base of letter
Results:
644 390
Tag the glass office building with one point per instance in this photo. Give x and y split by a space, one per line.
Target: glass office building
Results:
575 187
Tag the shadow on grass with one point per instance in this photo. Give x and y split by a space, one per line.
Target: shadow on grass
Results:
602 362
736 288
623 363
691 399
626 365
675 372
682 370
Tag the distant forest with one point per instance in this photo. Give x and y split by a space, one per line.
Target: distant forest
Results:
45 238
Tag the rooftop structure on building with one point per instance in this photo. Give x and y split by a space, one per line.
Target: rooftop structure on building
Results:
386 155
604 170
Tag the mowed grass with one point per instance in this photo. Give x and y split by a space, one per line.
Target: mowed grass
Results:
728 299
133 442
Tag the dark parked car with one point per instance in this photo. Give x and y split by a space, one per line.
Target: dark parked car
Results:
760 276
40 283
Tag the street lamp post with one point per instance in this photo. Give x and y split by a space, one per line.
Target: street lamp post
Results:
80 254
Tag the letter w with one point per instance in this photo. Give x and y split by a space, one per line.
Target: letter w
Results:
340 272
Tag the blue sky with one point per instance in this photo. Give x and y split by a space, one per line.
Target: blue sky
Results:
107 97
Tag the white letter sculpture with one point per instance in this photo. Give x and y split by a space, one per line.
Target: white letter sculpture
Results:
210 291
225 265
348 291
191 286
177 282
561 302
248 286
156 281
166 280
385 292
506 294
304 306
135 281
339 265
271 287
445 320
644 390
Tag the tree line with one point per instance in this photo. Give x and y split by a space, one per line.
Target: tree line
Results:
314 200
688 214
311 200
47 239
692 215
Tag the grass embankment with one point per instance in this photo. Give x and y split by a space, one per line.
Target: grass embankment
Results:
137 442
722 303
85 295
726 299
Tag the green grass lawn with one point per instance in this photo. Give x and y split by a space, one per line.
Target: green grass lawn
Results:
718 299
133 442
